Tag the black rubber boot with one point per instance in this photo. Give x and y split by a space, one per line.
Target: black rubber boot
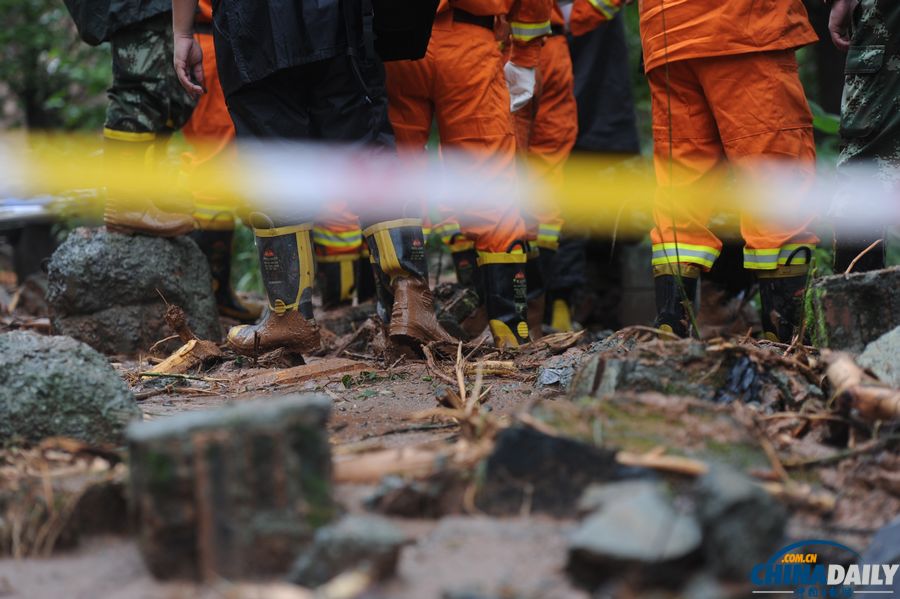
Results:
336 278
536 273
674 295
505 296
217 246
365 278
405 302
286 262
781 295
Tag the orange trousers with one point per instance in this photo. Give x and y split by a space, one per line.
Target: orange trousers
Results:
210 132
749 111
546 130
460 85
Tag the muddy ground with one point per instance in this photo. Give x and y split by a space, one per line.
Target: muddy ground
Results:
471 554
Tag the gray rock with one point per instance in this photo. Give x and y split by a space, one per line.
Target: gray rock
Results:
882 357
598 495
370 543
235 492
885 549
560 370
731 506
544 472
636 531
56 386
854 310
107 289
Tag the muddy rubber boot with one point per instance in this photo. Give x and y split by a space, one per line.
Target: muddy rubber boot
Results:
674 298
286 264
537 290
465 261
781 295
405 302
505 296
140 216
365 277
336 278
217 246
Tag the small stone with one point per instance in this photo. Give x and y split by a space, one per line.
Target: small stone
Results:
731 506
882 357
235 492
110 290
57 386
368 543
636 531
436 496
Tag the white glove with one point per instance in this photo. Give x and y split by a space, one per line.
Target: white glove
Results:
521 82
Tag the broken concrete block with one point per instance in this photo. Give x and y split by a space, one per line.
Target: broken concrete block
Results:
637 531
236 492
110 290
56 386
368 543
854 310
882 357
537 472
731 506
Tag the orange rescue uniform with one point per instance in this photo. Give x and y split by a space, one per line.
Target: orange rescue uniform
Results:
725 88
209 130
460 84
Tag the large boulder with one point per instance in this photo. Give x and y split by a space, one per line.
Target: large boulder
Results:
110 290
57 386
236 492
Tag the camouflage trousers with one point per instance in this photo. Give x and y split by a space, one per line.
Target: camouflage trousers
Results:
145 97
870 111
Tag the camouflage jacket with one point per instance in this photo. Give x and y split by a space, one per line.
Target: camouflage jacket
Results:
97 20
870 111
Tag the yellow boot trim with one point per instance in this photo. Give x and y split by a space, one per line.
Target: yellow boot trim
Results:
214 218
348 266
689 271
389 262
461 246
303 233
128 135
392 224
503 335
561 316
783 272
514 257
279 231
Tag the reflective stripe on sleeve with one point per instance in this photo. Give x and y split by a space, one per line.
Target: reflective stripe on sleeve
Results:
525 32
605 7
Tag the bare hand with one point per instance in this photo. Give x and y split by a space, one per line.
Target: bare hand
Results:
189 65
839 23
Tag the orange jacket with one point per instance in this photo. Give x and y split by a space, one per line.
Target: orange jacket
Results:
529 22
204 12
703 28
587 15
